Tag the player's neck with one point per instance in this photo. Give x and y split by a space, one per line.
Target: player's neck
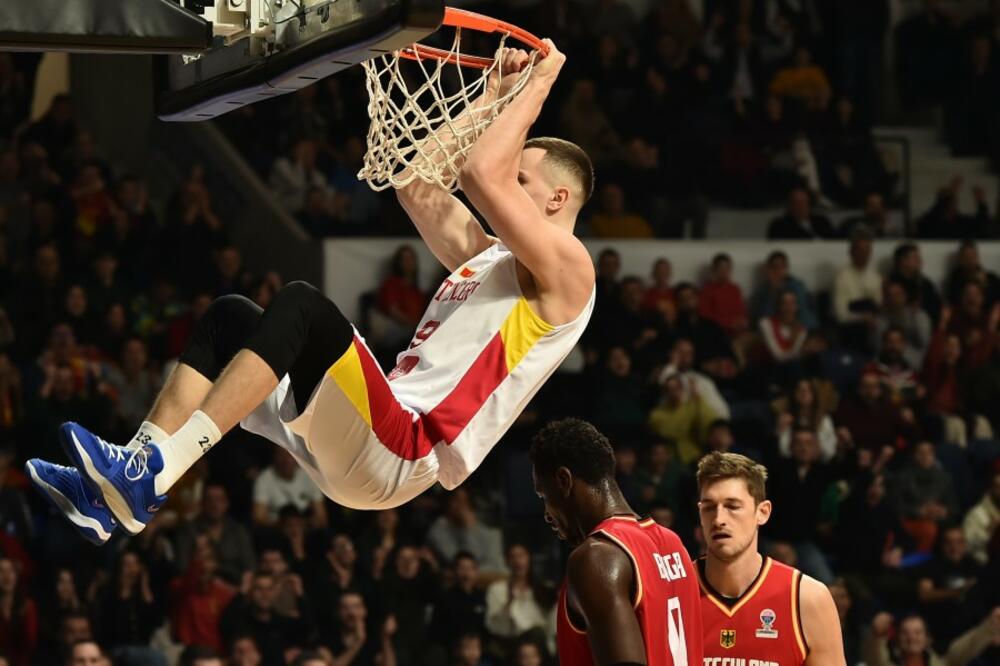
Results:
564 220
732 579
605 503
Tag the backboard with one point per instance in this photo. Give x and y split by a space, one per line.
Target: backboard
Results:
217 55
278 46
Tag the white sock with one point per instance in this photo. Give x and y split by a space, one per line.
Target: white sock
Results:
147 432
184 448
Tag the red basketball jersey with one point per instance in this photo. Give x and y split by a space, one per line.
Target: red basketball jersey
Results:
666 597
761 628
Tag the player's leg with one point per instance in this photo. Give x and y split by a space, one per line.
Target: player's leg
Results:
221 331
302 333
181 394
299 319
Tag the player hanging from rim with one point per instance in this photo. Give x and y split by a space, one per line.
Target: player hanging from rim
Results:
631 593
753 608
298 374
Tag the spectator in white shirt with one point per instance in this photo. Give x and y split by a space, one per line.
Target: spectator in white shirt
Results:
915 324
294 175
982 522
459 529
519 604
804 408
284 483
857 293
694 382
784 333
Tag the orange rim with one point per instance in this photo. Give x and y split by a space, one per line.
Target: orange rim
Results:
461 18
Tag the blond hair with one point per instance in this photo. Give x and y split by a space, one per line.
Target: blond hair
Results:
718 466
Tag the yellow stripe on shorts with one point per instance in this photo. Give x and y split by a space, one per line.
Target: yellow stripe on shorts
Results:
348 375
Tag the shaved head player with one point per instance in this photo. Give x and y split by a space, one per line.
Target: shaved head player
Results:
755 610
298 374
631 593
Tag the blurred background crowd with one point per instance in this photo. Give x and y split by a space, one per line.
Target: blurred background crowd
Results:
874 401
740 104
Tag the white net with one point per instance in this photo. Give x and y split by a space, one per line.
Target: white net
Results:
426 114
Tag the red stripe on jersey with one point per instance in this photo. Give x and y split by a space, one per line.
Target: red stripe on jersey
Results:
452 414
394 426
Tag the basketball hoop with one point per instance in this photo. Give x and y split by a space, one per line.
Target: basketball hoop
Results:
426 118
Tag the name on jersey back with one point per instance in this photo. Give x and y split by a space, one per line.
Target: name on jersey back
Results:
670 566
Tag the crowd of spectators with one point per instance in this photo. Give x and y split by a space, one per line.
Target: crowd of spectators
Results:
686 104
872 411
871 400
875 414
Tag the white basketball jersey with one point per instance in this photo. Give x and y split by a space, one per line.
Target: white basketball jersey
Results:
479 355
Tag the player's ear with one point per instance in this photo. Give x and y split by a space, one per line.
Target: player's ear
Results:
564 481
763 512
558 199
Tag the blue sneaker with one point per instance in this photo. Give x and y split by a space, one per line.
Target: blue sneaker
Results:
65 490
121 477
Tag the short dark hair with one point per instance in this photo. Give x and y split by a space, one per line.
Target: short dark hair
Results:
777 254
902 250
570 157
193 653
893 329
683 286
243 636
263 573
463 555
860 233
575 445
74 615
292 511
719 424
798 429
719 258
893 282
681 339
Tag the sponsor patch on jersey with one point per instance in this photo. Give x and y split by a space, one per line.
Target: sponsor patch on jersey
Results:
727 638
767 630
466 272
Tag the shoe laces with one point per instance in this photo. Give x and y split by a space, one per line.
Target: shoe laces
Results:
136 460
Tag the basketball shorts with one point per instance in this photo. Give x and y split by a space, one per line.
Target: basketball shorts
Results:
360 445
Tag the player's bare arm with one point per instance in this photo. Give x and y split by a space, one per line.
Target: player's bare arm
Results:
449 228
820 624
558 263
601 582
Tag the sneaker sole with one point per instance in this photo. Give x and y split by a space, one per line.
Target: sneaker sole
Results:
104 487
90 529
